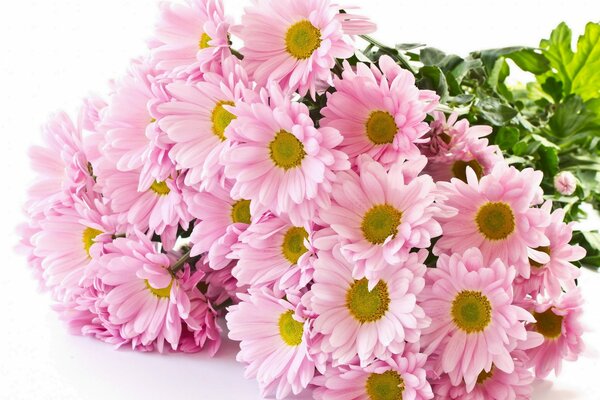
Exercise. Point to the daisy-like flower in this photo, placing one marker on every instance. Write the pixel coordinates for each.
(279, 160)
(191, 34)
(559, 322)
(219, 285)
(493, 385)
(296, 43)
(368, 319)
(559, 273)
(198, 117)
(401, 377)
(145, 299)
(90, 118)
(380, 215)
(274, 342)
(275, 253)
(495, 214)
(380, 112)
(474, 323)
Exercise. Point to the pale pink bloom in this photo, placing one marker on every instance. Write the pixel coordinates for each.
(493, 385)
(565, 183)
(559, 321)
(194, 33)
(274, 252)
(273, 342)
(381, 215)
(279, 160)
(379, 111)
(197, 120)
(495, 214)
(145, 300)
(474, 323)
(25, 232)
(296, 43)
(368, 319)
(133, 140)
(399, 377)
(559, 273)
(90, 118)
(219, 285)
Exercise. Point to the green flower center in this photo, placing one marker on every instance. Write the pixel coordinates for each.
(286, 150)
(204, 39)
(240, 212)
(160, 188)
(385, 386)
(367, 306)
(495, 220)
(89, 234)
(163, 293)
(548, 324)
(290, 330)
(302, 39)
(459, 169)
(544, 249)
(381, 127)
(471, 311)
(380, 222)
(221, 118)
(293, 244)
(485, 375)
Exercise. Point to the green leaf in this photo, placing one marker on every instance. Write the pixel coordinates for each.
(507, 137)
(571, 117)
(495, 111)
(554, 88)
(490, 56)
(520, 148)
(529, 60)
(431, 56)
(432, 78)
(548, 160)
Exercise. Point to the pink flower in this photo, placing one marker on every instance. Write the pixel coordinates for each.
(558, 320)
(90, 118)
(379, 112)
(274, 342)
(474, 324)
(279, 160)
(220, 285)
(381, 215)
(366, 318)
(192, 34)
(273, 252)
(495, 214)
(565, 183)
(296, 43)
(400, 377)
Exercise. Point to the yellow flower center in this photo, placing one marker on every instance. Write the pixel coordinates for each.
(163, 293)
(471, 311)
(221, 118)
(495, 220)
(485, 375)
(459, 169)
(544, 249)
(240, 212)
(388, 385)
(293, 244)
(89, 234)
(290, 330)
(160, 188)
(381, 127)
(204, 39)
(286, 150)
(548, 324)
(380, 222)
(302, 39)
(365, 305)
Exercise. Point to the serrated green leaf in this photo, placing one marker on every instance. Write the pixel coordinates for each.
(507, 137)
(495, 111)
(433, 78)
(571, 116)
(530, 61)
(548, 160)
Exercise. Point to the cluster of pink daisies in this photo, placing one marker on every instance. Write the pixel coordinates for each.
(372, 248)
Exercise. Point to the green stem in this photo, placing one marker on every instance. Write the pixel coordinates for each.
(180, 263)
(395, 54)
(236, 53)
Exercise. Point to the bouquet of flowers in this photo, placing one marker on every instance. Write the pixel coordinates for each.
(344, 210)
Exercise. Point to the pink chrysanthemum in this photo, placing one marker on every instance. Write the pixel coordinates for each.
(197, 120)
(368, 319)
(296, 43)
(145, 300)
(379, 112)
(273, 252)
(495, 214)
(192, 34)
(565, 183)
(493, 385)
(279, 160)
(274, 342)
(90, 119)
(559, 322)
(400, 377)
(380, 215)
(220, 285)
(474, 324)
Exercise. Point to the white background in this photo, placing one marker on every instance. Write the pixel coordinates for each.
(55, 52)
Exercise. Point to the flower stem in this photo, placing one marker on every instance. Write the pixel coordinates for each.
(236, 53)
(180, 263)
(395, 54)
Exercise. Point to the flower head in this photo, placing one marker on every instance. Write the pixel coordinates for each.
(565, 183)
